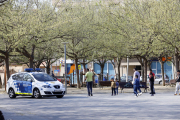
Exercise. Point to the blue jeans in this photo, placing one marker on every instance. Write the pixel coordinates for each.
(113, 91)
(139, 89)
(135, 89)
(89, 87)
(116, 90)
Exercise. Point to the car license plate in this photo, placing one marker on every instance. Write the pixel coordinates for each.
(57, 90)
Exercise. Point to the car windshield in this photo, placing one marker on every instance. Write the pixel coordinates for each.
(43, 77)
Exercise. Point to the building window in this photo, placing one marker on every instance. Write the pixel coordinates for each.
(158, 68)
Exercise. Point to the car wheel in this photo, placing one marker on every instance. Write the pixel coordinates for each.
(60, 96)
(159, 82)
(12, 93)
(36, 93)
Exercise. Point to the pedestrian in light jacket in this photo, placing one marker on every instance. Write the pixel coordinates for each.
(177, 82)
(113, 86)
(136, 85)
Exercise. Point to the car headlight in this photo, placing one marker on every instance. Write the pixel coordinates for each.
(46, 86)
(62, 86)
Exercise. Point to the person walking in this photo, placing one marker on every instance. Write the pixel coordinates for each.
(151, 80)
(89, 82)
(113, 86)
(136, 84)
(117, 85)
(177, 83)
(134, 77)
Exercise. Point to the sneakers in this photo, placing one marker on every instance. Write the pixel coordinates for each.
(140, 93)
(91, 94)
(136, 96)
(175, 94)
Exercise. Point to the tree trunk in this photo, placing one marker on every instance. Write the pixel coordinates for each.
(7, 66)
(119, 64)
(114, 65)
(142, 74)
(102, 70)
(141, 61)
(149, 64)
(31, 62)
(77, 73)
(176, 64)
(48, 66)
(48, 69)
(84, 66)
(162, 70)
(145, 70)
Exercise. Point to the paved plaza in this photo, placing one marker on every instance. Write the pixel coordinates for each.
(99, 107)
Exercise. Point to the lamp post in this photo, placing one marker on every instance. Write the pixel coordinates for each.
(65, 70)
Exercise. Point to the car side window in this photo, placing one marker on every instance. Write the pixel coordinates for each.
(19, 77)
(27, 76)
(14, 77)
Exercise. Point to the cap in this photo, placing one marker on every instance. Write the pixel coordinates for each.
(178, 71)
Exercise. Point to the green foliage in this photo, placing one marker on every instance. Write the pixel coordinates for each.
(93, 30)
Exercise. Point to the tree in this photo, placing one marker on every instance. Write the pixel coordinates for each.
(77, 31)
(39, 26)
(8, 27)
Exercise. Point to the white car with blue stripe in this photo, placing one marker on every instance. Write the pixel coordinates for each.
(35, 84)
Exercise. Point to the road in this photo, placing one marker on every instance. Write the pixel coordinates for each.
(98, 107)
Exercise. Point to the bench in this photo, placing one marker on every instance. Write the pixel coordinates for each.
(129, 85)
(171, 82)
(104, 83)
(84, 84)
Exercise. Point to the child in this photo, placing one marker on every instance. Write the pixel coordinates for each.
(113, 85)
(136, 85)
(117, 85)
(151, 80)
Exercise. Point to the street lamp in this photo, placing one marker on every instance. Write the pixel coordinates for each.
(65, 66)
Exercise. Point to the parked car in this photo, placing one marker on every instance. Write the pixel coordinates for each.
(147, 78)
(158, 79)
(123, 78)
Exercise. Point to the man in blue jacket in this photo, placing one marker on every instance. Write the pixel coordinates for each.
(136, 85)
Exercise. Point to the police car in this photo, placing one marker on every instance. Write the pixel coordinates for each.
(35, 84)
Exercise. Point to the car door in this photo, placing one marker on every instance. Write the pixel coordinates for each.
(27, 84)
(19, 83)
(15, 83)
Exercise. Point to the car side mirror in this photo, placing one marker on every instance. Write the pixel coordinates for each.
(29, 80)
